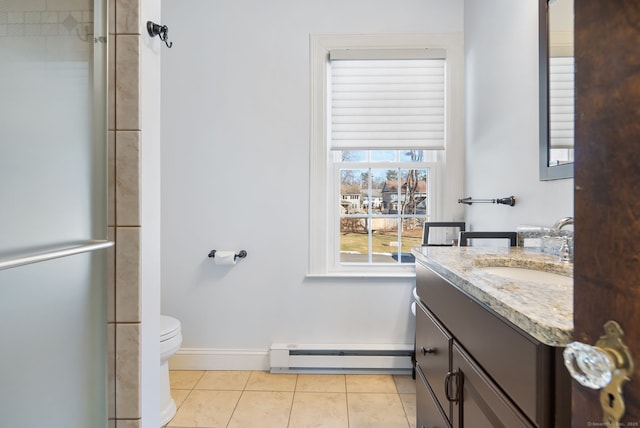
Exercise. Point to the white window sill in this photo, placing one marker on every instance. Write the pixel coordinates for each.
(403, 274)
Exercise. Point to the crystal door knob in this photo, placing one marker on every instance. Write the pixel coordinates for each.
(605, 366)
(589, 365)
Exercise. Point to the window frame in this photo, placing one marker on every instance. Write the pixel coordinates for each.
(449, 179)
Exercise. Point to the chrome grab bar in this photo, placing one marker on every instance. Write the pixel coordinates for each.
(41, 257)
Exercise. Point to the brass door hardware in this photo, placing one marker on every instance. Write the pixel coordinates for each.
(604, 366)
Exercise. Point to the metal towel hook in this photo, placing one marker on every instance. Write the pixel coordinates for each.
(160, 31)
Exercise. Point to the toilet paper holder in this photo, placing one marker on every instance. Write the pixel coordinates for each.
(241, 254)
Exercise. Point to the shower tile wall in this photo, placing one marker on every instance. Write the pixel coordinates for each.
(124, 212)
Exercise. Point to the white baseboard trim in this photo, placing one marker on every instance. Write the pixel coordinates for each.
(219, 359)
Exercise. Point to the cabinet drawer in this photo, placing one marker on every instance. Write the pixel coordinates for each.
(429, 414)
(433, 346)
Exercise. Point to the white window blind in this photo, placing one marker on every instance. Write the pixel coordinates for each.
(392, 103)
(561, 102)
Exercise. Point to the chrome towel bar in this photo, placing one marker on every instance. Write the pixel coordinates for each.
(511, 201)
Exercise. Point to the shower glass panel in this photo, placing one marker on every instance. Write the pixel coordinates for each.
(52, 324)
(53, 193)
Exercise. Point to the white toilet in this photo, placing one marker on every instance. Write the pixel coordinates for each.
(170, 341)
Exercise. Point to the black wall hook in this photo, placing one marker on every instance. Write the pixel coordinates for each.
(161, 31)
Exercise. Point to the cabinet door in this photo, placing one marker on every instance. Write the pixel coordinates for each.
(433, 347)
(429, 414)
(480, 404)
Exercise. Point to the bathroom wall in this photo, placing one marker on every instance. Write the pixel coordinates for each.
(501, 59)
(235, 166)
(151, 50)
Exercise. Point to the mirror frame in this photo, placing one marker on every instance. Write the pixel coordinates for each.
(547, 172)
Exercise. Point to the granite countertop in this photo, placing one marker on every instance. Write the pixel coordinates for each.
(544, 311)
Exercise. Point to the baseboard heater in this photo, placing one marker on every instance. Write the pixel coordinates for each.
(288, 358)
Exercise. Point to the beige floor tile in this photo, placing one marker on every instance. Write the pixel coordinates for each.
(371, 383)
(224, 380)
(321, 383)
(211, 409)
(262, 409)
(409, 404)
(405, 384)
(184, 379)
(241, 399)
(265, 381)
(376, 410)
(319, 410)
(179, 395)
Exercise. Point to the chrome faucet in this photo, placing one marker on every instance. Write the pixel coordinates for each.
(565, 249)
(564, 221)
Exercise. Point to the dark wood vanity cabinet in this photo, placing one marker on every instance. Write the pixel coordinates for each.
(476, 370)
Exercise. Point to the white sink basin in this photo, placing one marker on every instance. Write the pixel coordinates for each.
(529, 275)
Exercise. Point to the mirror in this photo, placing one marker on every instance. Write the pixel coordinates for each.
(557, 93)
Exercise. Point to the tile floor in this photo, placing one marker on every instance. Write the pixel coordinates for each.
(248, 399)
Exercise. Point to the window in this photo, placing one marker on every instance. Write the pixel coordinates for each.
(385, 196)
(383, 148)
(561, 109)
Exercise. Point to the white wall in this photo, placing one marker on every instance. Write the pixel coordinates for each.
(235, 164)
(501, 59)
(150, 52)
